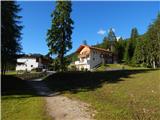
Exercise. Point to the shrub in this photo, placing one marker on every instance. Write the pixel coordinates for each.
(82, 69)
(72, 67)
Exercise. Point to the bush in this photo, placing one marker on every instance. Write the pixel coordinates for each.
(82, 69)
(34, 70)
(72, 68)
(86, 69)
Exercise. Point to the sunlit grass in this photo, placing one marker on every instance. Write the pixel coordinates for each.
(11, 73)
(135, 97)
(23, 107)
(118, 66)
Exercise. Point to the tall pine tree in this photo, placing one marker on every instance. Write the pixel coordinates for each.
(131, 44)
(11, 33)
(140, 53)
(134, 33)
(85, 42)
(59, 35)
(113, 45)
(121, 44)
(106, 43)
(112, 40)
(153, 43)
(147, 49)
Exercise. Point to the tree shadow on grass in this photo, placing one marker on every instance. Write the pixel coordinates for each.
(12, 85)
(69, 81)
(86, 81)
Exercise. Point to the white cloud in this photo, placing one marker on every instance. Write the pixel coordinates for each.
(101, 32)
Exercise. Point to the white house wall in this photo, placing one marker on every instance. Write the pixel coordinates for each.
(95, 58)
(90, 62)
(29, 64)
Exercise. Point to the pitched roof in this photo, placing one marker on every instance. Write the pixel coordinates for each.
(94, 48)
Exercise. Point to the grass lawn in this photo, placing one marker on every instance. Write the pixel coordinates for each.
(118, 66)
(23, 107)
(11, 73)
(19, 102)
(115, 95)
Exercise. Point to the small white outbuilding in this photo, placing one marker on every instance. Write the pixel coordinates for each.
(30, 62)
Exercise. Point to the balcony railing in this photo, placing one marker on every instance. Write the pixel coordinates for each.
(82, 62)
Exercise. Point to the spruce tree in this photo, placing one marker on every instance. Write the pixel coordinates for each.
(85, 42)
(126, 54)
(140, 53)
(59, 35)
(131, 44)
(147, 49)
(153, 43)
(113, 45)
(106, 43)
(134, 33)
(11, 33)
(133, 41)
(112, 40)
(121, 44)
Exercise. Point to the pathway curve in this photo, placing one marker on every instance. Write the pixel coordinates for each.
(61, 107)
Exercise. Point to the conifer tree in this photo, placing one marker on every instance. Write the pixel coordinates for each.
(147, 49)
(85, 42)
(11, 33)
(59, 35)
(153, 43)
(131, 44)
(106, 43)
(121, 44)
(140, 53)
(113, 45)
(112, 40)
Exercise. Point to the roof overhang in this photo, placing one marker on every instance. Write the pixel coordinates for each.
(80, 48)
(93, 48)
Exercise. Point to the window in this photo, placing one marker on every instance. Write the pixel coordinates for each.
(93, 58)
(37, 60)
(31, 65)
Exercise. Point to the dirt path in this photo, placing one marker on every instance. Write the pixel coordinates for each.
(63, 108)
(60, 107)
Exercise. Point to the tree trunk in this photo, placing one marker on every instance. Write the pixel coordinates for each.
(154, 64)
(3, 68)
(62, 52)
(62, 62)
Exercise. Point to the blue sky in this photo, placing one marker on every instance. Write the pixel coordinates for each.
(91, 21)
